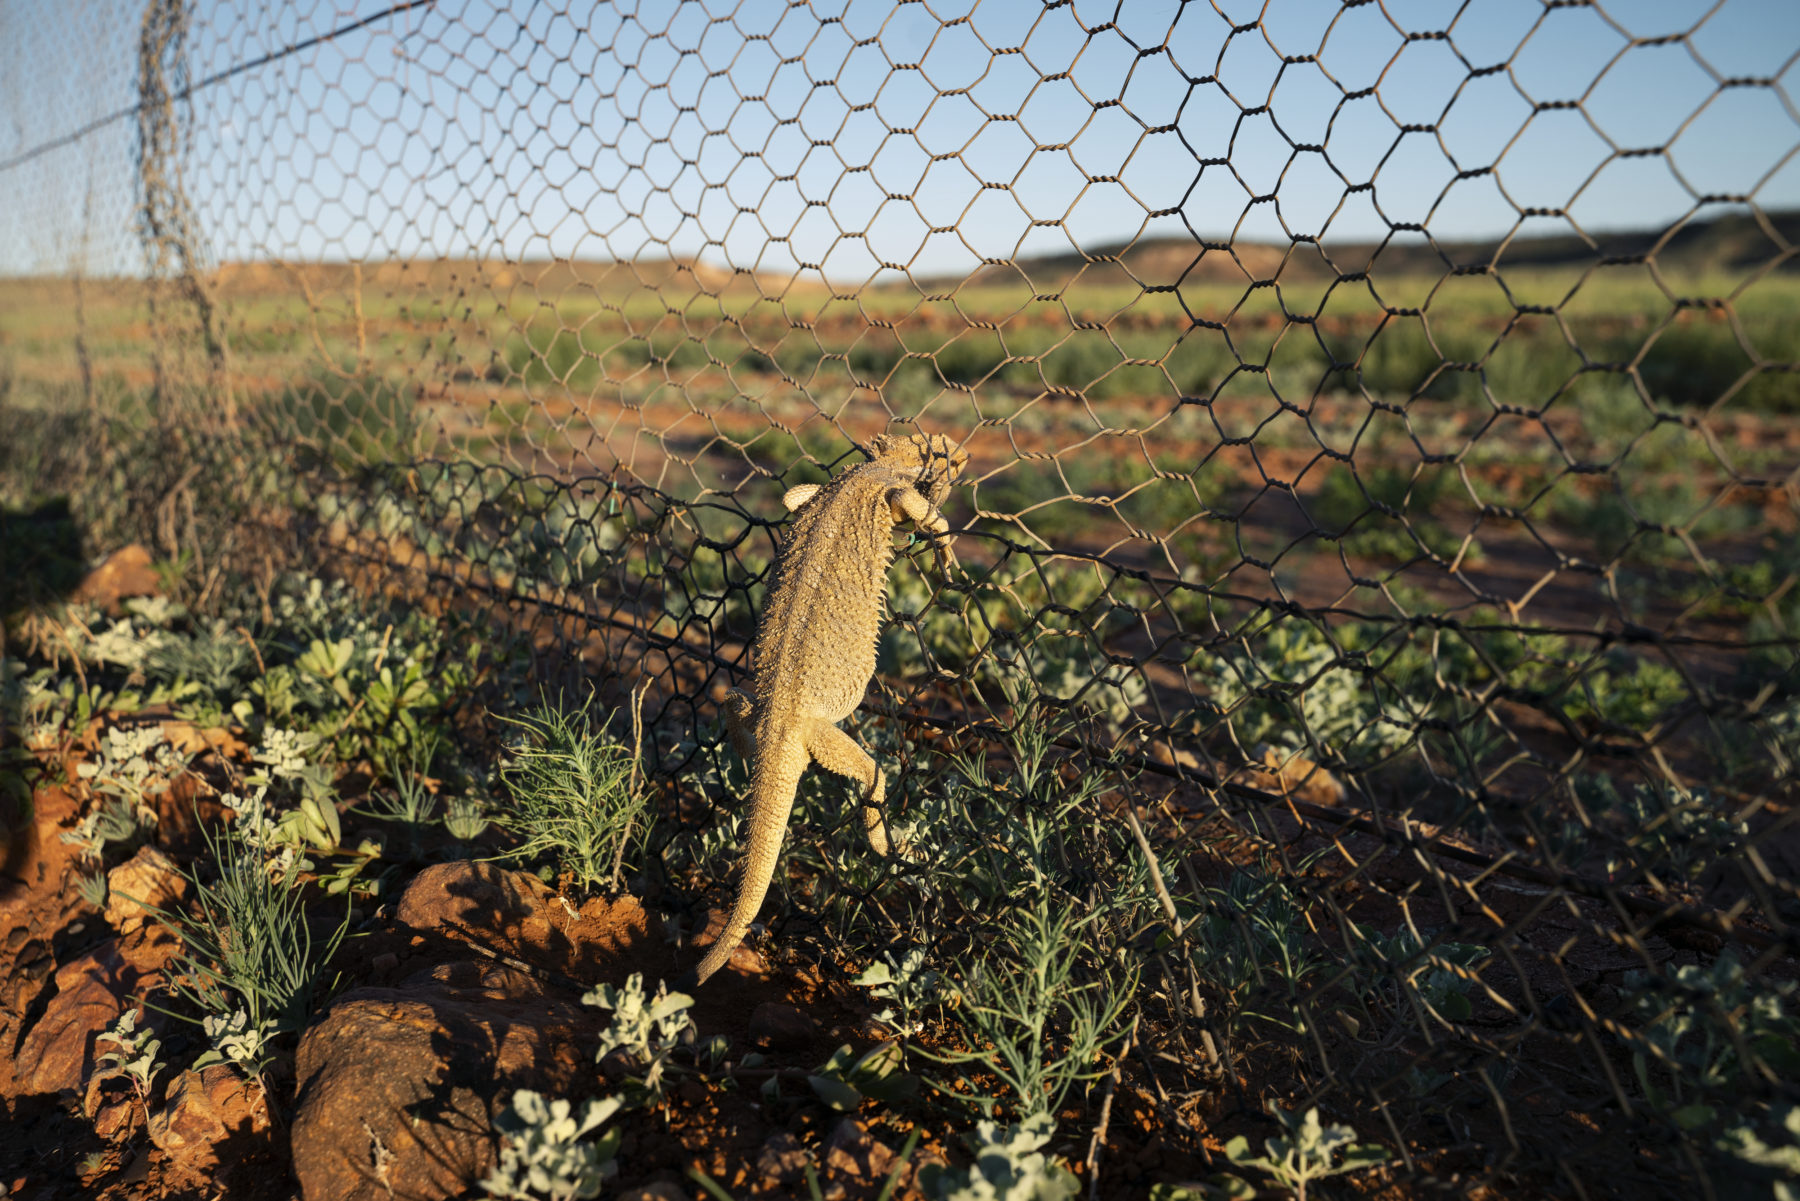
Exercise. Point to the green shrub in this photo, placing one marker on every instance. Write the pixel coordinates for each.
(1010, 1165)
(1706, 1032)
(644, 1029)
(1030, 1021)
(575, 795)
(350, 421)
(1251, 945)
(1628, 692)
(1291, 687)
(1347, 504)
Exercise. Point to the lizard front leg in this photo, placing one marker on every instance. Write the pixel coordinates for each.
(909, 504)
(837, 753)
(798, 495)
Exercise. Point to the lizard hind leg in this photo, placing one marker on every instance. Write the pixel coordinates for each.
(739, 711)
(838, 753)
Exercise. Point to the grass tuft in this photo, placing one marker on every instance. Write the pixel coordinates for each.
(575, 795)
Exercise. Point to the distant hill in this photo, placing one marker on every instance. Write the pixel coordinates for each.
(1735, 242)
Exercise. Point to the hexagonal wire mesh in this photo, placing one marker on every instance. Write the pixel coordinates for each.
(1380, 420)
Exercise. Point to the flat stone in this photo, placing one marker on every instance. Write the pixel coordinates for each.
(201, 1112)
(91, 993)
(402, 1084)
(126, 573)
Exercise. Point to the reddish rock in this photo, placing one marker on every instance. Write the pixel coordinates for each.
(1173, 756)
(38, 900)
(115, 1118)
(743, 961)
(106, 1089)
(191, 739)
(147, 878)
(126, 573)
(151, 949)
(781, 1027)
(855, 1163)
(481, 902)
(451, 905)
(463, 896)
(39, 862)
(57, 1053)
(783, 1159)
(398, 1086)
(1292, 774)
(200, 1113)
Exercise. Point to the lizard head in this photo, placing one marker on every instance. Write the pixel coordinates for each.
(933, 460)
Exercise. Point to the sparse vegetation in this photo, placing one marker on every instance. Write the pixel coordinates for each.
(249, 947)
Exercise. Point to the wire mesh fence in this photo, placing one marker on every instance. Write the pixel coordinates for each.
(1381, 433)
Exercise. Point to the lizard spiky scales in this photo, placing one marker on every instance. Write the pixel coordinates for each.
(815, 647)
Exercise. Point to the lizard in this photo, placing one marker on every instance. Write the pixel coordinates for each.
(814, 651)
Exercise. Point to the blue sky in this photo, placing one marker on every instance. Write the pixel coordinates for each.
(764, 135)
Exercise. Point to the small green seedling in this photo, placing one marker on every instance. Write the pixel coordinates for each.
(92, 889)
(135, 1056)
(235, 1040)
(465, 817)
(645, 1029)
(1307, 1152)
(844, 1080)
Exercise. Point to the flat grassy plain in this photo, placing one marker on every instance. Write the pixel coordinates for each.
(1600, 410)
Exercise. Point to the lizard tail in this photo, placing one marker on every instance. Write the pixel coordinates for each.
(772, 786)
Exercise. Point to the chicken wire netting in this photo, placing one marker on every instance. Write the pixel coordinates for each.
(1380, 419)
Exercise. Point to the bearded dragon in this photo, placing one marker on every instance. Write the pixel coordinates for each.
(815, 647)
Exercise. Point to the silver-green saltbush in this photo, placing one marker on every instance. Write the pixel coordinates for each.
(1009, 1166)
(543, 1156)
